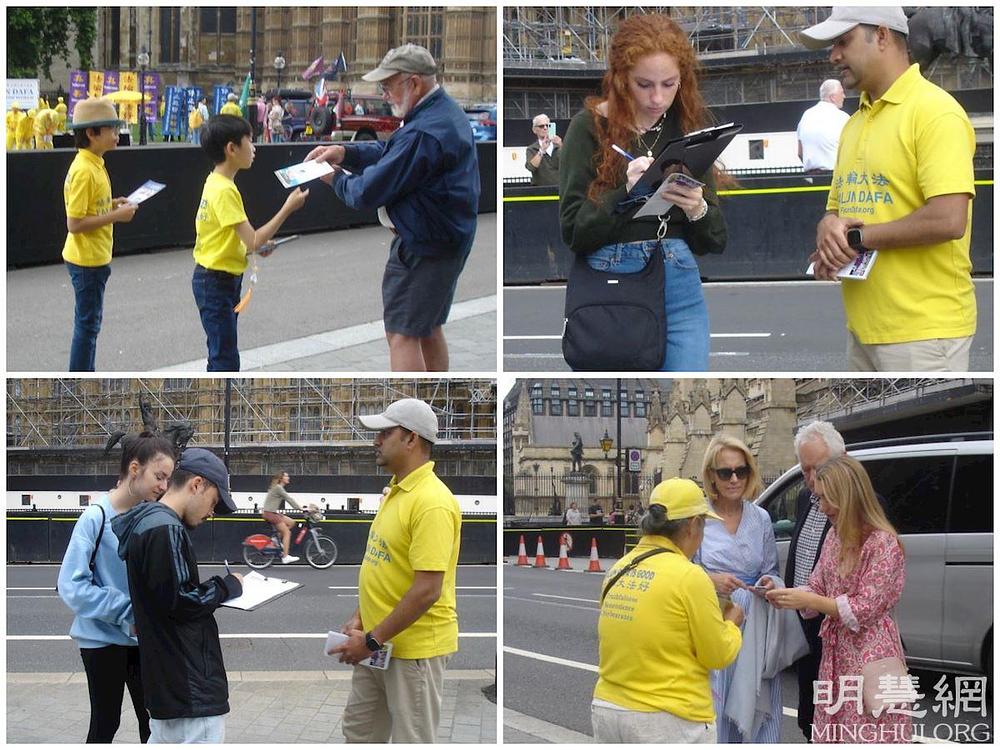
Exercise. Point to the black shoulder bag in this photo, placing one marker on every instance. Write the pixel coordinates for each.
(615, 321)
(630, 566)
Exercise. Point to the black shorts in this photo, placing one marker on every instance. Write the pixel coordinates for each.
(417, 291)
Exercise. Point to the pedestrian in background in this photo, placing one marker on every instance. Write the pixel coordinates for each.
(661, 629)
(819, 128)
(541, 158)
(93, 582)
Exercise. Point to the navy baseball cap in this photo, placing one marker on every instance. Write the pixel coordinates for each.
(205, 464)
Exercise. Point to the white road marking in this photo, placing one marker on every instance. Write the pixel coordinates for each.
(331, 341)
(550, 659)
(557, 337)
(550, 604)
(570, 598)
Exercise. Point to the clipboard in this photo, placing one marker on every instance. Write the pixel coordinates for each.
(696, 151)
(258, 590)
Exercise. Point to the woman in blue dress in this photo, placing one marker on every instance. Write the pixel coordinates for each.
(737, 553)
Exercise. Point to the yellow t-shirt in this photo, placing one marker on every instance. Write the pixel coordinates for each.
(912, 144)
(660, 631)
(231, 108)
(217, 246)
(87, 192)
(418, 527)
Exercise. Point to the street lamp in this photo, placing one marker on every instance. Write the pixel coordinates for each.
(279, 65)
(606, 443)
(143, 59)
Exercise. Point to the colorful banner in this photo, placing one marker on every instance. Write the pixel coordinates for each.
(173, 123)
(96, 87)
(219, 94)
(24, 91)
(110, 82)
(77, 89)
(151, 85)
(128, 81)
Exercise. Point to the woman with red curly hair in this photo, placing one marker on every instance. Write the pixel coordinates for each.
(648, 97)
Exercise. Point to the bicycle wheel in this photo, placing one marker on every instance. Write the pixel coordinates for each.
(257, 559)
(321, 555)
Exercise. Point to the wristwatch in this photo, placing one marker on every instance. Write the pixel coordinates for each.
(856, 239)
(371, 644)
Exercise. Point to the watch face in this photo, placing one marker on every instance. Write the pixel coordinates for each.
(854, 237)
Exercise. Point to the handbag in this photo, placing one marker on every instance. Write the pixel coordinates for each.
(615, 321)
(890, 666)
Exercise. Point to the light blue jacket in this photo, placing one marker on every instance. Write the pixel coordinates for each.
(100, 600)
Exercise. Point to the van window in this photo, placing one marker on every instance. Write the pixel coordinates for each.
(915, 490)
(972, 496)
(782, 506)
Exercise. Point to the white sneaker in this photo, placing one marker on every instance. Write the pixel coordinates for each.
(289, 559)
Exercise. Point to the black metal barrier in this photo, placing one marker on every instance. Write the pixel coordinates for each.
(36, 537)
(771, 220)
(610, 540)
(36, 214)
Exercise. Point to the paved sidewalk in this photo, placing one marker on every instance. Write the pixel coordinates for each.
(519, 728)
(271, 707)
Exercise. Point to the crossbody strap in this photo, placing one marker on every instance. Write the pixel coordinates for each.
(97, 544)
(630, 566)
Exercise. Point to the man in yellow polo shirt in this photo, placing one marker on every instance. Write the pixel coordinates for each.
(903, 186)
(661, 629)
(406, 587)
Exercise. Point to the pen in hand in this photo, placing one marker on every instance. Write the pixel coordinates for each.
(228, 571)
(623, 152)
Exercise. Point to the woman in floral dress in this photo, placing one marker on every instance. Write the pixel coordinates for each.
(856, 584)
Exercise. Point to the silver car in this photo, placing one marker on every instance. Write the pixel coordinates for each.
(939, 495)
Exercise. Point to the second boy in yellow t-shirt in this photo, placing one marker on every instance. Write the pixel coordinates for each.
(225, 237)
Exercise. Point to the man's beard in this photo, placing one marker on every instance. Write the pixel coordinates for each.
(402, 109)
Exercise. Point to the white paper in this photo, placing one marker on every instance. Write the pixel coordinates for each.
(378, 660)
(658, 205)
(858, 269)
(299, 174)
(145, 191)
(258, 589)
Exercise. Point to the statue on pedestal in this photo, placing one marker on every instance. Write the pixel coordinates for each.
(576, 452)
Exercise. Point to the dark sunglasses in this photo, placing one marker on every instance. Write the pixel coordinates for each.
(741, 472)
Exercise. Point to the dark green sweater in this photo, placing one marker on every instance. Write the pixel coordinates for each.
(587, 227)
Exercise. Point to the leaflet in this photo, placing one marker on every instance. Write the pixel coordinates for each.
(299, 174)
(858, 269)
(145, 191)
(378, 660)
(657, 205)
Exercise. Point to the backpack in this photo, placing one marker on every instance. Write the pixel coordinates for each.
(195, 120)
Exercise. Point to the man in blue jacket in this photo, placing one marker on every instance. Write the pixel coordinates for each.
(424, 181)
(183, 675)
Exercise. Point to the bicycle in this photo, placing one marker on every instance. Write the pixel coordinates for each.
(261, 550)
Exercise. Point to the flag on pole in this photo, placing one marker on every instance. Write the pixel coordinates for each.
(337, 66)
(321, 96)
(314, 68)
(245, 96)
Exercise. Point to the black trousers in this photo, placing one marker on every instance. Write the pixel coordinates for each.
(808, 669)
(109, 670)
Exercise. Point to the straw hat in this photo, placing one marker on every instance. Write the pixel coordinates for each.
(94, 113)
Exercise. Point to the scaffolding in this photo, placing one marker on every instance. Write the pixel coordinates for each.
(82, 413)
(843, 398)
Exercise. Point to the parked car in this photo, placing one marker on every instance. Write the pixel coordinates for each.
(483, 119)
(939, 495)
(309, 122)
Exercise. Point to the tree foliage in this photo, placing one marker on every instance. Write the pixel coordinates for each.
(37, 36)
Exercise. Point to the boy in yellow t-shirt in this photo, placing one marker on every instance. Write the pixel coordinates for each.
(90, 212)
(225, 237)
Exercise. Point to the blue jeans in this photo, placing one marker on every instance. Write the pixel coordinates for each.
(217, 293)
(688, 339)
(88, 288)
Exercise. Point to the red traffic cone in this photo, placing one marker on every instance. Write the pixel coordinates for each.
(595, 563)
(540, 555)
(522, 554)
(563, 553)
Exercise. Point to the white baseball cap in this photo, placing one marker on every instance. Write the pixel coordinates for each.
(409, 413)
(846, 17)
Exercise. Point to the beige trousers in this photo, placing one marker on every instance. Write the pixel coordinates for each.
(401, 703)
(931, 355)
(612, 726)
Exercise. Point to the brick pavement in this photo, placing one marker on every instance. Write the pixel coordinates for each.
(272, 707)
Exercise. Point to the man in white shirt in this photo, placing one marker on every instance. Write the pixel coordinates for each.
(542, 157)
(819, 129)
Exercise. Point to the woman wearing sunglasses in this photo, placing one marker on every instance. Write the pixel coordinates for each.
(738, 553)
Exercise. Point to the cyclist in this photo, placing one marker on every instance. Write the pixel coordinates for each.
(273, 504)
